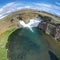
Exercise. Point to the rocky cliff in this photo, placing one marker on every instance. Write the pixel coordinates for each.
(50, 23)
(50, 27)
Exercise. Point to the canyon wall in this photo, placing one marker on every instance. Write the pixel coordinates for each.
(51, 28)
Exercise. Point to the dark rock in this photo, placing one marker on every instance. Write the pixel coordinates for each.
(58, 39)
(43, 26)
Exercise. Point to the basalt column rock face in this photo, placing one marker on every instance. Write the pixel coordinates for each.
(43, 26)
(50, 27)
(54, 30)
(57, 36)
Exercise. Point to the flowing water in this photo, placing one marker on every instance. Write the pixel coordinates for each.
(23, 44)
(32, 23)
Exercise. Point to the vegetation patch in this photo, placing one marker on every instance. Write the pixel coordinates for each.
(3, 40)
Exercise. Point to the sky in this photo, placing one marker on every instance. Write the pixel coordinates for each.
(9, 6)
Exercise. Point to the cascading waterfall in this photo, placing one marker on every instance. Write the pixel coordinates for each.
(32, 23)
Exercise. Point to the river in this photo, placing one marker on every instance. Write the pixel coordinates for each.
(27, 43)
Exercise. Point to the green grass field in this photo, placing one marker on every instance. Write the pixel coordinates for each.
(3, 40)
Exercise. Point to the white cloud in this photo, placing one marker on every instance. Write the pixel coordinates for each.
(3, 16)
(8, 8)
(48, 6)
(13, 6)
(54, 9)
(18, 8)
(27, 6)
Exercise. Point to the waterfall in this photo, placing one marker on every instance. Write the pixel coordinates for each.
(32, 23)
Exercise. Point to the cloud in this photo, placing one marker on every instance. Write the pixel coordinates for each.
(8, 8)
(18, 8)
(13, 6)
(48, 6)
(27, 6)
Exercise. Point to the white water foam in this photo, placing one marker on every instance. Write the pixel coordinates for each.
(32, 23)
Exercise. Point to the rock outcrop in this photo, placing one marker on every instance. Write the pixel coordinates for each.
(50, 27)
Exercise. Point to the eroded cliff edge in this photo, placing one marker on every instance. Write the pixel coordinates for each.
(50, 24)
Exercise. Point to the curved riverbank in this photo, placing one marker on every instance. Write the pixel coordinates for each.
(53, 44)
(24, 44)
